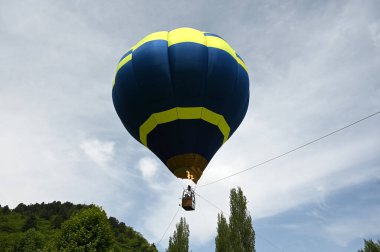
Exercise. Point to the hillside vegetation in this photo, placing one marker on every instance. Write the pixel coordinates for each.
(65, 226)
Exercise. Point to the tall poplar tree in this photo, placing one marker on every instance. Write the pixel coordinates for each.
(222, 239)
(242, 235)
(238, 235)
(179, 242)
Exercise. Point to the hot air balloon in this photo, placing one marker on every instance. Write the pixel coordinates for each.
(182, 94)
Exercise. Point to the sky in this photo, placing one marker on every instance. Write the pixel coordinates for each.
(313, 67)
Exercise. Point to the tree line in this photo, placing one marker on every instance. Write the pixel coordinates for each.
(65, 226)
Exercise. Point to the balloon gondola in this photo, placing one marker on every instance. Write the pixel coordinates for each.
(182, 94)
(188, 199)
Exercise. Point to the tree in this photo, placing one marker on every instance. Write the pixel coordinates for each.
(370, 246)
(222, 239)
(126, 239)
(88, 230)
(56, 221)
(21, 208)
(179, 242)
(31, 222)
(238, 235)
(37, 227)
(31, 241)
(242, 234)
(5, 209)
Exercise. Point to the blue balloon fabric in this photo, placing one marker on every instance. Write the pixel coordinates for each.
(182, 94)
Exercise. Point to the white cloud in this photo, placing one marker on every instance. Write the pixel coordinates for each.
(148, 168)
(375, 33)
(99, 152)
(344, 230)
(303, 177)
(314, 68)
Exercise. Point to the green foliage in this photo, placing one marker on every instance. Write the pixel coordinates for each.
(238, 235)
(30, 241)
(38, 228)
(126, 239)
(370, 246)
(179, 242)
(89, 230)
(241, 229)
(5, 209)
(56, 221)
(31, 222)
(222, 239)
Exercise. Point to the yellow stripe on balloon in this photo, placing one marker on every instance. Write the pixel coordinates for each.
(147, 127)
(216, 42)
(123, 62)
(183, 113)
(184, 35)
(189, 113)
(161, 35)
(169, 116)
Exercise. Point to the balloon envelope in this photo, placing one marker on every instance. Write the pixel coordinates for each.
(182, 94)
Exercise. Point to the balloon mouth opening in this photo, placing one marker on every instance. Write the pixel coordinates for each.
(187, 166)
